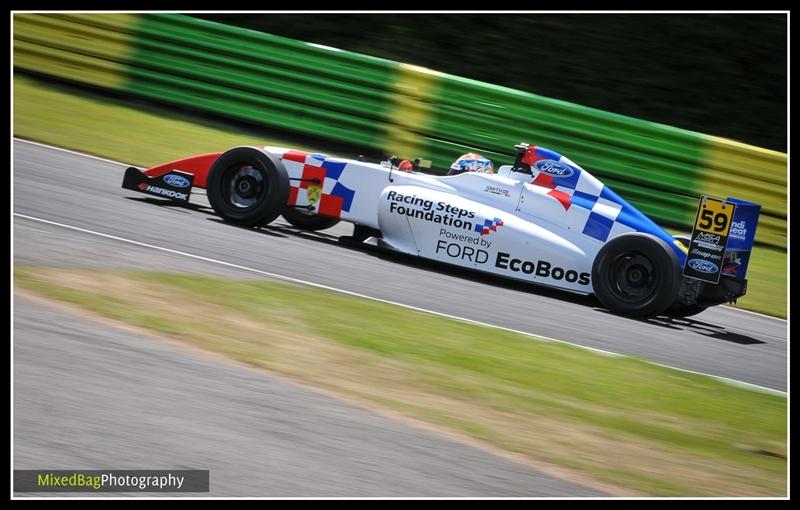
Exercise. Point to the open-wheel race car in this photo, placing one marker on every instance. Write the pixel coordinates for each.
(542, 219)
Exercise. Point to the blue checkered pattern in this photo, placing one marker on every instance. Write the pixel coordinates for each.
(332, 186)
(488, 226)
(588, 204)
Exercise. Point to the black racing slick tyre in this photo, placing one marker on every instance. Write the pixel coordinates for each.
(308, 221)
(636, 275)
(248, 187)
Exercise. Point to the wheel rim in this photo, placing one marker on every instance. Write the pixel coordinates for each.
(244, 185)
(633, 277)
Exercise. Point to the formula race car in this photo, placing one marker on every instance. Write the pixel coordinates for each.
(542, 219)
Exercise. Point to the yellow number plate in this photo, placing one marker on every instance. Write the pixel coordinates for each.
(714, 216)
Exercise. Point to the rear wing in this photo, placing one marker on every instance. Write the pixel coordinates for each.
(722, 239)
(741, 237)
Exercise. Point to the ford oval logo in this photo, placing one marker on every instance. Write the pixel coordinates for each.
(176, 180)
(703, 266)
(553, 168)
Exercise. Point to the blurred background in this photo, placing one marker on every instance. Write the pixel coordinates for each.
(723, 74)
(672, 106)
(650, 104)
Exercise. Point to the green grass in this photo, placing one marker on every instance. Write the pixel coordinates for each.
(633, 426)
(767, 276)
(131, 132)
(147, 136)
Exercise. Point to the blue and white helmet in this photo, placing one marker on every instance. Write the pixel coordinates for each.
(471, 163)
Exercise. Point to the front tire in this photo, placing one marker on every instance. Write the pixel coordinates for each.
(636, 275)
(248, 187)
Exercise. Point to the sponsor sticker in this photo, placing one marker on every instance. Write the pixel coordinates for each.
(732, 266)
(427, 210)
(554, 168)
(539, 269)
(712, 226)
(172, 185)
(313, 193)
(462, 253)
(738, 230)
(703, 266)
(176, 181)
(488, 226)
(496, 190)
(465, 238)
(149, 188)
(441, 213)
(709, 241)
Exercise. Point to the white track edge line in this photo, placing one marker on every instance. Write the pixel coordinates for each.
(77, 153)
(751, 312)
(364, 296)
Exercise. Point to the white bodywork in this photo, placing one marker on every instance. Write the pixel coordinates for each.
(501, 223)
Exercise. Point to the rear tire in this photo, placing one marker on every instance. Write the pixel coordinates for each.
(248, 187)
(636, 275)
(308, 221)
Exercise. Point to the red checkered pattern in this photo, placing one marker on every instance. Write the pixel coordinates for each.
(330, 205)
(313, 175)
(546, 181)
(493, 228)
(310, 174)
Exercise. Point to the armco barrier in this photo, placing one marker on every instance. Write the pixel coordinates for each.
(398, 108)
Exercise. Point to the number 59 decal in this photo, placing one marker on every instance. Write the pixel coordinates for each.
(706, 252)
(714, 216)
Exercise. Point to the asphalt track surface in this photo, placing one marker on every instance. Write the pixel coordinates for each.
(88, 395)
(102, 397)
(83, 192)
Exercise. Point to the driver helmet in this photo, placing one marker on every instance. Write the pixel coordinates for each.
(405, 166)
(471, 163)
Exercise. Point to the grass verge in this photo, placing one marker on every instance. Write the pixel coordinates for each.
(131, 132)
(618, 420)
(115, 129)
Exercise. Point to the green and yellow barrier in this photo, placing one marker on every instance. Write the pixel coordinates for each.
(396, 108)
